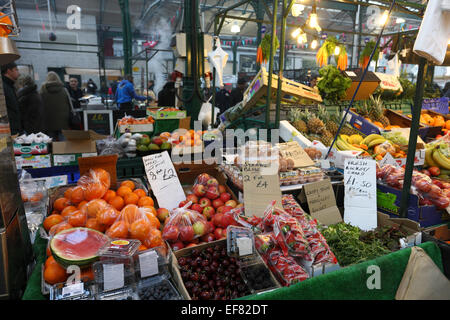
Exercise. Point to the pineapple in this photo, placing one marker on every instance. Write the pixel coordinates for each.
(377, 111)
(295, 117)
(314, 124)
(363, 110)
(330, 124)
(326, 137)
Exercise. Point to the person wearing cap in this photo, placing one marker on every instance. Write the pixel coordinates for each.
(10, 74)
(237, 94)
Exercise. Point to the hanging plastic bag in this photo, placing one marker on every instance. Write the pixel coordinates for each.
(95, 184)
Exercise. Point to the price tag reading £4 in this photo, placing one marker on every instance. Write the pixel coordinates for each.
(164, 180)
(261, 186)
(360, 199)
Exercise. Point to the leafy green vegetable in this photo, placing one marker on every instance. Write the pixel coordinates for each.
(266, 42)
(344, 240)
(332, 85)
(395, 137)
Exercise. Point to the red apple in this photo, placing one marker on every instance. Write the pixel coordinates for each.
(210, 226)
(435, 192)
(205, 202)
(217, 203)
(177, 246)
(186, 233)
(192, 197)
(227, 220)
(446, 193)
(197, 207)
(183, 203)
(170, 233)
(203, 178)
(224, 209)
(199, 228)
(217, 219)
(225, 196)
(231, 203)
(425, 171)
(222, 189)
(212, 182)
(218, 233)
(441, 203)
(208, 212)
(212, 193)
(162, 214)
(438, 183)
(209, 237)
(199, 190)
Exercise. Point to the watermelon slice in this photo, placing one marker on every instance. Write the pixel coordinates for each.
(77, 246)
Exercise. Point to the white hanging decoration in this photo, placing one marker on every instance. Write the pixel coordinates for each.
(218, 60)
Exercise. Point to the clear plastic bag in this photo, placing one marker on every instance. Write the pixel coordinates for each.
(287, 270)
(184, 225)
(137, 223)
(95, 184)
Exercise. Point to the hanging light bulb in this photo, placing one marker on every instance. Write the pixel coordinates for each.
(297, 9)
(302, 38)
(296, 32)
(314, 44)
(313, 19)
(337, 50)
(384, 18)
(235, 28)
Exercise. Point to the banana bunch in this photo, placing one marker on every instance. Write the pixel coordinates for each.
(355, 139)
(322, 56)
(342, 144)
(373, 140)
(436, 155)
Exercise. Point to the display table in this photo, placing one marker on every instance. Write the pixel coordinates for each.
(350, 283)
(345, 283)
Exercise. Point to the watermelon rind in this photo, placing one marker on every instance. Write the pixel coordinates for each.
(63, 260)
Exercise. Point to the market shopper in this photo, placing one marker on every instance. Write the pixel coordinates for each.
(115, 84)
(237, 94)
(166, 97)
(75, 92)
(30, 105)
(91, 87)
(125, 94)
(10, 74)
(56, 106)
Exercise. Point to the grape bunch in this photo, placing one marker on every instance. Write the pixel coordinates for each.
(211, 274)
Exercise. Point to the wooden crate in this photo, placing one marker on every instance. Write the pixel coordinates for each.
(258, 89)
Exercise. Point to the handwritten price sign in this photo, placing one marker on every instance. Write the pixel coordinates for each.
(164, 180)
(294, 151)
(360, 199)
(261, 186)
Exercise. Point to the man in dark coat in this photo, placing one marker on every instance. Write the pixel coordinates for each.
(237, 94)
(30, 105)
(166, 97)
(10, 74)
(91, 87)
(75, 92)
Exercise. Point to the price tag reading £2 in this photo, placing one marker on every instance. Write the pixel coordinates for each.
(164, 180)
(360, 199)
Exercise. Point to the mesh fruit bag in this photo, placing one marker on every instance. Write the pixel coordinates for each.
(184, 225)
(137, 223)
(206, 186)
(94, 185)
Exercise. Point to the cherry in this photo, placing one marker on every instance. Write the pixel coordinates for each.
(203, 278)
(205, 295)
(205, 263)
(194, 277)
(182, 261)
(195, 253)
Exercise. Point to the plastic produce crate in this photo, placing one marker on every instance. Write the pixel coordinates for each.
(130, 168)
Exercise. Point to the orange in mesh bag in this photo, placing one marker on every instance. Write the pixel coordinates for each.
(95, 184)
(137, 223)
(103, 213)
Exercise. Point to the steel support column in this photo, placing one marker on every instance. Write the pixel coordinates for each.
(127, 35)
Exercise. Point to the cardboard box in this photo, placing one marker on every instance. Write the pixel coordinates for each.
(388, 201)
(411, 228)
(78, 144)
(161, 114)
(33, 148)
(33, 161)
(133, 128)
(368, 86)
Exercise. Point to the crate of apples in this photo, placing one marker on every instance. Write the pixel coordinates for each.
(214, 202)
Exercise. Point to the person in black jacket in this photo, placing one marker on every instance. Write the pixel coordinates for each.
(166, 97)
(10, 74)
(91, 87)
(30, 105)
(237, 94)
(75, 92)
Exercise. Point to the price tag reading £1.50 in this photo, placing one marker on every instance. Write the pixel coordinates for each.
(164, 180)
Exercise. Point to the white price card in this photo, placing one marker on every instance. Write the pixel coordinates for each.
(164, 180)
(113, 276)
(360, 187)
(245, 246)
(73, 290)
(148, 262)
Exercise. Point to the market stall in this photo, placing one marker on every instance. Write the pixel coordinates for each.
(144, 205)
